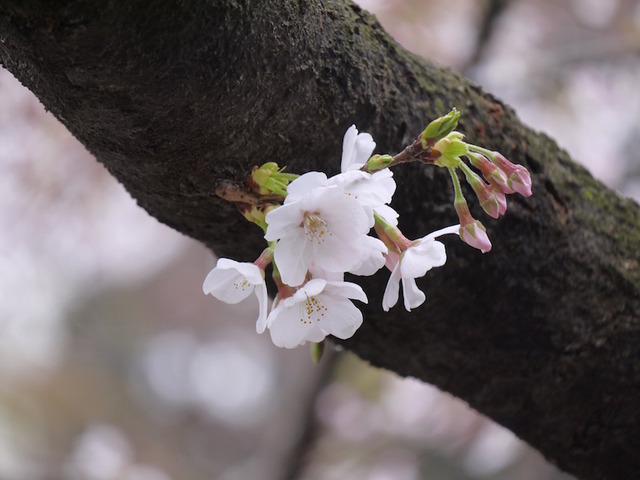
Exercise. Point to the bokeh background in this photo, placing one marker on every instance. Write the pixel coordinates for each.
(114, 365)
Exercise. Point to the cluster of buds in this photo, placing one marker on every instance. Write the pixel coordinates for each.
(446, 148)
(318, 228)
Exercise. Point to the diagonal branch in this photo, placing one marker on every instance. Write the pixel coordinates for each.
(175, 98)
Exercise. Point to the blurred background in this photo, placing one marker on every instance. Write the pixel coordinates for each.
(114, 365)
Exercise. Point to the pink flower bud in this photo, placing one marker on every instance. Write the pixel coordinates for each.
(518, 177)
(491, 172)
(472, 232)
(475, 235)
(500, 197)
(520, 181)
(487, 195)
(499, 179)
(489, 202)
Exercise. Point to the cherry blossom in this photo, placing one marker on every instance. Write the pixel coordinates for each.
(232, 282)
(421, 256)
(317, 309)
(317, 223)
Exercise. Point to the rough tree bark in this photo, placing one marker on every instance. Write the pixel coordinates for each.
(542, 334)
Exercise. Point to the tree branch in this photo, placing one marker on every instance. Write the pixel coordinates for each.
(174, 98)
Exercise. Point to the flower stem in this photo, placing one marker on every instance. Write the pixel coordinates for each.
(456, 184)
(490, 154)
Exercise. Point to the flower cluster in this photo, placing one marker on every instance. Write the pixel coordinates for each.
(318, 228)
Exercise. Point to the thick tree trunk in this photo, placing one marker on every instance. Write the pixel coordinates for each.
(542, 334)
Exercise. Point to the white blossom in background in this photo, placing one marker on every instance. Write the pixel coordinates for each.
(317, 309)
(420, 257)
(232, 282)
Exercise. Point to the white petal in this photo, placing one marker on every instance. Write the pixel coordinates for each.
(391, 293)
(282, 221)
(285, 326)
(364, 148)
(315, 335)
(310, 289)
(302, 185)
(291, 258)
(345, 290)
(343, 318)
(345, 217)
(250, 271)
(319, 272)
(227, 285)
(422, 257)
(263, 300)
(372, 258)
(348, 148)
(388, 213)
(444, 231)
(337, 255)
(413, 296)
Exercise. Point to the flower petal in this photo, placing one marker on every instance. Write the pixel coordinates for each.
(348, 148)
(412, 295)
(287, 327)
(227, 285)
(363, 149)
(263, 300)
(346, 290)
(372, 258)
(282, 221)
(343, 318)
(391, 293)
(290, 256)
(421, 257)
(388, 213)
(302, 185)
(345, 217)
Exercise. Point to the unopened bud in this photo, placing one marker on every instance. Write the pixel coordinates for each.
(378, 162)
(439, 128)
(486, 195)
(475, 235)
(472, 232)
(501, 198)
(518, 177)
(491, 172)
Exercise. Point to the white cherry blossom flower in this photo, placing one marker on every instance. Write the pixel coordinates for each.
(420, 257)
(319, 308)
(232, 282)
(317, 223)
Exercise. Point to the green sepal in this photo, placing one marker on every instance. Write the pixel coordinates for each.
(272, 179)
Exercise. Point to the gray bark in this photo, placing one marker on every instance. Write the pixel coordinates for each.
(542, 334)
